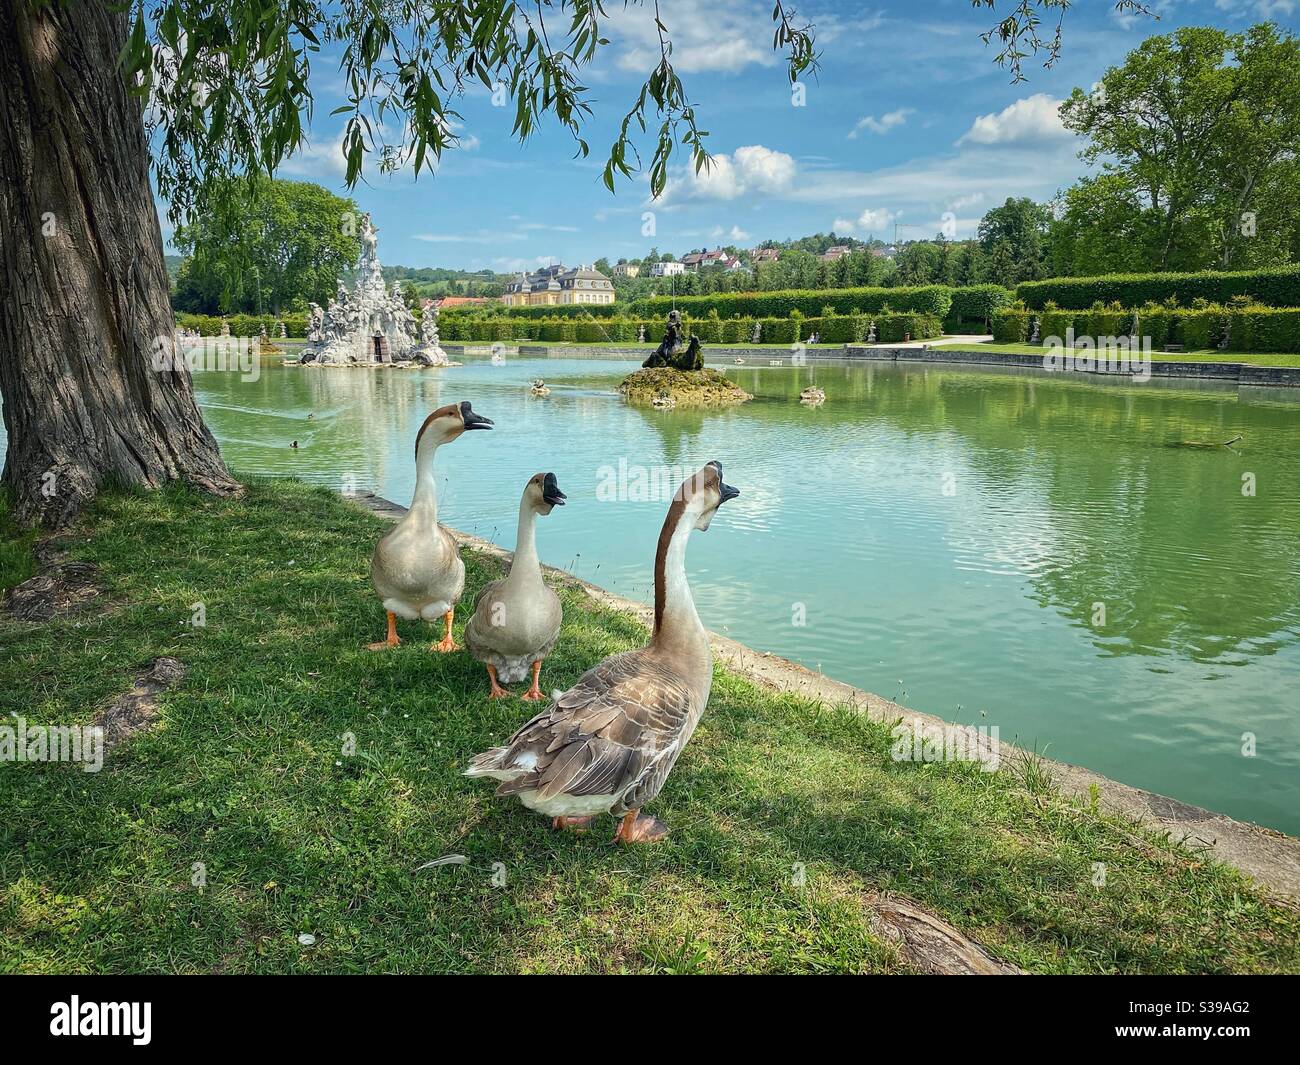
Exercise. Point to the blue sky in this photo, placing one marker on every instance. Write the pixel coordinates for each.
(908, 118)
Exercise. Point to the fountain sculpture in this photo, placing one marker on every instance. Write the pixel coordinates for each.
(368, 325)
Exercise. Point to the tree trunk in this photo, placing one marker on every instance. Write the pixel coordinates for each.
(83, 286)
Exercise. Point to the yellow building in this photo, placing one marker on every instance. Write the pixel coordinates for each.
(556, 286)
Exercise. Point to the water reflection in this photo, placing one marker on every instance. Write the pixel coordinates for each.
(949, 533)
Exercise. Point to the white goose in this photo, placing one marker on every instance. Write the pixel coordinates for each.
(608, 744)
(517, 619)
(416, 567)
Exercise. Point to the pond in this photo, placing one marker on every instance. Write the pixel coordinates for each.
(993, 547)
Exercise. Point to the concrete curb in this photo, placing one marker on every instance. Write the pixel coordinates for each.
(1272, 858)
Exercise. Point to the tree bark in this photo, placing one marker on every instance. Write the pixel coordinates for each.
(83, 287)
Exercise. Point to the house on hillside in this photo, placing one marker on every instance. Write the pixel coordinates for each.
(626, 269)
(666, 269)
(764, 255)
(830, 255)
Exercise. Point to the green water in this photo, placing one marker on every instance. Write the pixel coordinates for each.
(943, 535)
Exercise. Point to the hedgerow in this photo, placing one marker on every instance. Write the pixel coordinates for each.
(1250, 328)
(1277, 287)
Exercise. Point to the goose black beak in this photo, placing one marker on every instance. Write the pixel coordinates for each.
(472, 420)
(551, 491)
(728, 492)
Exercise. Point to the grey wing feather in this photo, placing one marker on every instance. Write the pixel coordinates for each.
(607, 735)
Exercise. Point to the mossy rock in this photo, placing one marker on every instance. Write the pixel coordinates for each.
(695, 388)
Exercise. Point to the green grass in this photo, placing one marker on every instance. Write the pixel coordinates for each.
(1203, 355)
(244, 772)
(16, 563)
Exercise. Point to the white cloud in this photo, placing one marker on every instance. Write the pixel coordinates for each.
(724, 35)
(735, 234)
(1035, 118)
(752, 169)
(483, 236)
(1265, 9)
(319, 159)
(883, 124)
(868, 221)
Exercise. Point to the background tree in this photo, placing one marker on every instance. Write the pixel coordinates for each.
(1022, 225)
(273, 246)
(1192, 128)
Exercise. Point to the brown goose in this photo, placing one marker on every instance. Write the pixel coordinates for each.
(608, 744)
(416, 568)
(517, 619)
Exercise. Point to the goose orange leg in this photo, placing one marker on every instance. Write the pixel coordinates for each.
(446, 643)
(534, 693)
(638, 828)
(392, 640)
(497, 691)
(575, 824)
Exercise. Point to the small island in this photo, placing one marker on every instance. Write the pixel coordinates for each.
(675, 374)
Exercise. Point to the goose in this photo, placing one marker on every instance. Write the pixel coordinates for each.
(664, 401)
(416, 568)
(539, 388)
(517, 619)
(608, 744)
(812, 395)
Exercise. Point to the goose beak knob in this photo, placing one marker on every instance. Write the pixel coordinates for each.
(728, 492)
(472, 420)
(551, 491)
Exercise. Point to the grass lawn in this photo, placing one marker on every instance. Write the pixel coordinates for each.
(243, 771)
(1202, 355)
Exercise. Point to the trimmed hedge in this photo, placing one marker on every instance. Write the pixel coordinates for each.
(977, 303)
(834, 329)
(1277, 287)
(924, 299)
(245, 325)
(1263, 329)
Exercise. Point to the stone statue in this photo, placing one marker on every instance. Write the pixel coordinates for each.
(1033, 335)
(366, 324)
(640, 333)
(758, 332)
(871, 332)
(430, 352)
(676, 350)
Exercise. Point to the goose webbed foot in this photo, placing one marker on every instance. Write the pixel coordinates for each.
(392, 641)
(446, 644)
(637, 827)
(535, 692)
(573, 824)
(497, 691)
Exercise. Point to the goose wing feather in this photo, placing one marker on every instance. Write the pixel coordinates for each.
(620, 727)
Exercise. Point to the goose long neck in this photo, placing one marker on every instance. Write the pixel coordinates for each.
(524, 565)
(677, 625)
(425, 499)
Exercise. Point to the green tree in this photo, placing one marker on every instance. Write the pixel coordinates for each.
(1022, 225)
(1192, 128)
(274, 245)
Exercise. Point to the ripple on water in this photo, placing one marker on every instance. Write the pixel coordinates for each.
(981, 598)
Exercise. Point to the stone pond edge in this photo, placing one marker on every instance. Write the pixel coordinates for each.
(1270, 857)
